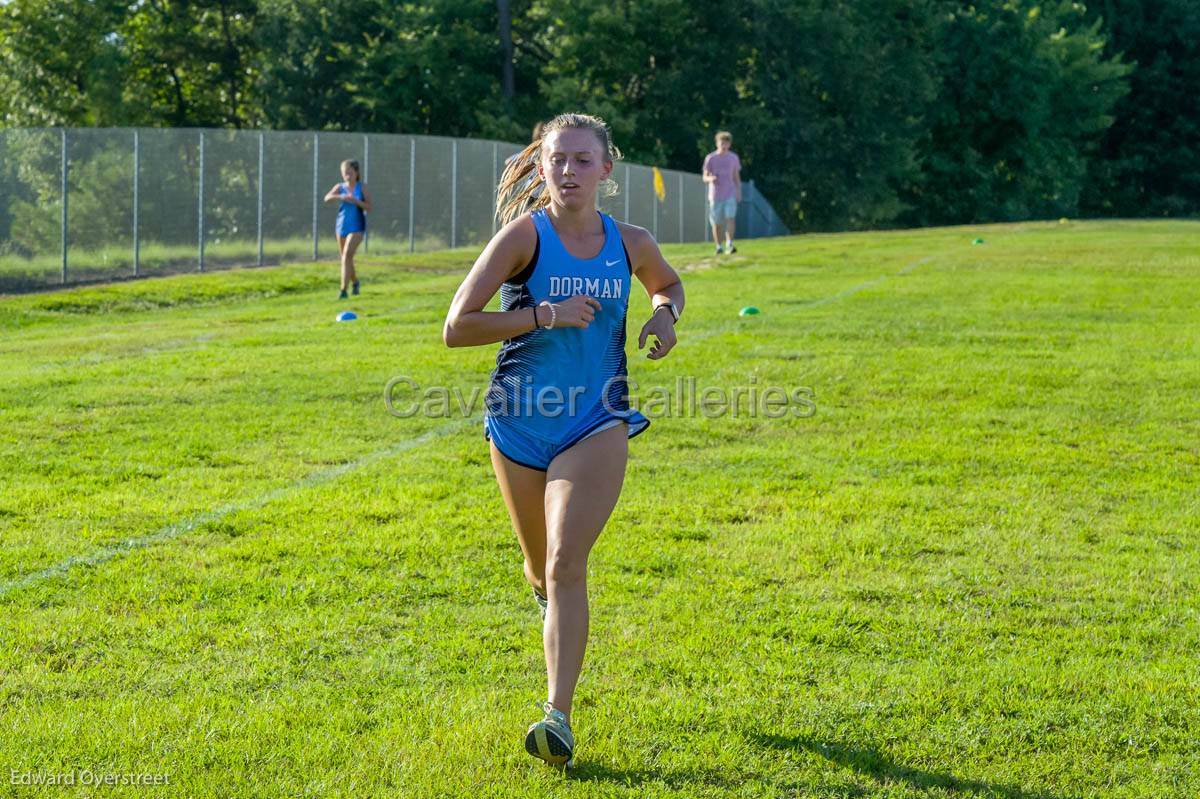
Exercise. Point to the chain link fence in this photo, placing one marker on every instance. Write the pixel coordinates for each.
(79, 205)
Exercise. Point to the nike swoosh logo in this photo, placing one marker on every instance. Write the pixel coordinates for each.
(612, 263)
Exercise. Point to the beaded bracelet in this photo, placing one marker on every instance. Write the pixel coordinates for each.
(553, 314)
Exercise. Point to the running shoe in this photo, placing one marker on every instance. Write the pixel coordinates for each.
(542, 601)
(730, 248)
(354, 286)
(550, 739)
(342, 296)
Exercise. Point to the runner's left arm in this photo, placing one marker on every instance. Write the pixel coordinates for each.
(662, 285)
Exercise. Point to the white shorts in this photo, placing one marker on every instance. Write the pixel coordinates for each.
(720, 210)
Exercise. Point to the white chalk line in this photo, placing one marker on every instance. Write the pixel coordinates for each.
(176, 529)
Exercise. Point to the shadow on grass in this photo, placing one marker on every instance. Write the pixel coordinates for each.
(873, 763)
(593, 771)
(866, 761)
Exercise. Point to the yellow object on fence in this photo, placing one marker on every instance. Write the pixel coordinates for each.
(660, 188)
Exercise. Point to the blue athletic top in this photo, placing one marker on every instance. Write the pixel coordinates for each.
(351, 218)
(539, 371)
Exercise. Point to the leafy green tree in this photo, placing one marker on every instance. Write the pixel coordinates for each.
(860, 113)
(61, 63)
(371, 65)
(107, 63)
(1025, 93)
(31, 179)
(191, 62)
(661, 72)
(833, 100)
(1148, 163)
(824, 100)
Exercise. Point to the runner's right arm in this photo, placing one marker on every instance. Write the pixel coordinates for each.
(509, 251)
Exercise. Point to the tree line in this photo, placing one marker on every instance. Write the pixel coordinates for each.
(848, 115)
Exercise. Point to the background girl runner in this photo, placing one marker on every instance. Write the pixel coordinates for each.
(351, 220)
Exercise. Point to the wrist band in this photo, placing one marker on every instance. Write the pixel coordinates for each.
(670, 306)
(553, 314)
(536, 323)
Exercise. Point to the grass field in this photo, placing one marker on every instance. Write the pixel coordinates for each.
(973, 572)
(114, 263)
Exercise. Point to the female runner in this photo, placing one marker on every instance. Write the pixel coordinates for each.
(558, 416)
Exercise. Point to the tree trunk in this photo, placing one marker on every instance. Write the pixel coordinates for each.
(507, 82)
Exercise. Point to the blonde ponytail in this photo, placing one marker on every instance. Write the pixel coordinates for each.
(521, 189)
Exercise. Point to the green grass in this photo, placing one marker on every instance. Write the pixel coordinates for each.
(972, 573)
(115, 262)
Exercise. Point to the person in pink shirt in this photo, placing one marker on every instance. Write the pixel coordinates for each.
(723, 174)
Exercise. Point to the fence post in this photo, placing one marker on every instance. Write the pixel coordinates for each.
(63, 220)
(316, 155)
(365, 178)
(495, 182)
(201, 202)
(627, 189)
(262, 157)
(706, 225)
(453, 193)
(680, 194)
(412, 191)
(137, 168)
(654, 205)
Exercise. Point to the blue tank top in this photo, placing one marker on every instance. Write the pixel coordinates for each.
(588, 363)
(351, 218)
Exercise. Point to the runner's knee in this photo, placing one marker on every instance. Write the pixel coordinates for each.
(566, 566)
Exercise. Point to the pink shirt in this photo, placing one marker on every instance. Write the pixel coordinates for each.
(723, 165)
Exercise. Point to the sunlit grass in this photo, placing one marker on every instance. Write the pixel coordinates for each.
(972, 573)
